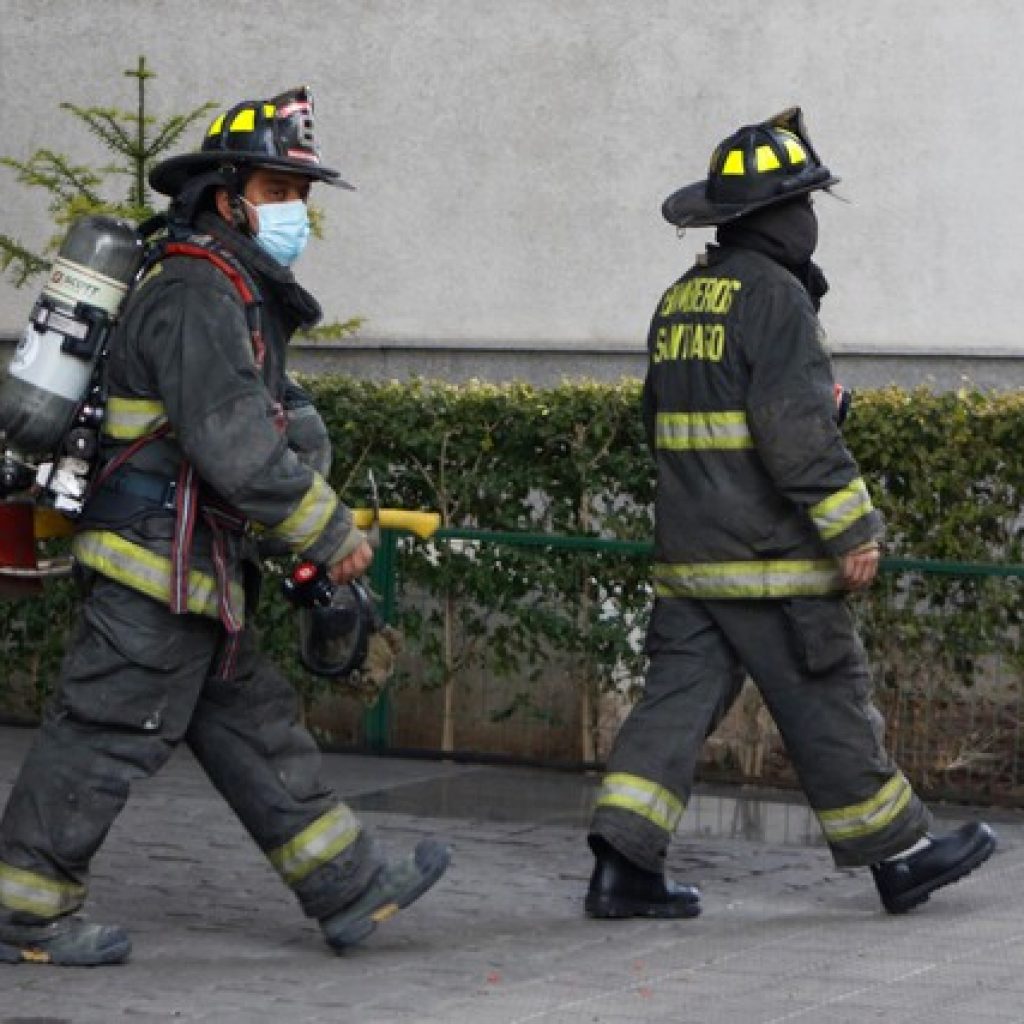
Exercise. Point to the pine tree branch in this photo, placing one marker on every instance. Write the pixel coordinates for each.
(102, 122)
(333, 330)
(19, 263)
(129, 147)
(53, 171)
(174, 127)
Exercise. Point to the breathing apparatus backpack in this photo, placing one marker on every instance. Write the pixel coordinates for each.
(50, 397)
(52, 405)
(48, 425)
(53, 396)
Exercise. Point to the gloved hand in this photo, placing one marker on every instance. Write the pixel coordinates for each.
(382, 650)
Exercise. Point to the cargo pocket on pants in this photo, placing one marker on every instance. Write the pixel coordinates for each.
(822, 630)
(132, 666)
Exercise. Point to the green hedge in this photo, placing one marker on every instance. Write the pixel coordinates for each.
(945, 469)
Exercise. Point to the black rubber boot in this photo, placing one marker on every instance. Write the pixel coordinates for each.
(66, 942)
(393, 887)
(618, 888)
(907, 882)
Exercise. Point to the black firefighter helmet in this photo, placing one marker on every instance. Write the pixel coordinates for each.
(276, 133)
(756, 166)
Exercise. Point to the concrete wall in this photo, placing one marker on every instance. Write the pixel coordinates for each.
(512, 155)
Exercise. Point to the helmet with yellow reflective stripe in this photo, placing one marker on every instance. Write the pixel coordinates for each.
(756, 166)
(276, 133)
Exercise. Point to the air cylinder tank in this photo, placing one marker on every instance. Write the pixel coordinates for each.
(50, 371)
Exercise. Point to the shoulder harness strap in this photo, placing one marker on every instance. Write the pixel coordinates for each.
(236, 274)
(186, 492)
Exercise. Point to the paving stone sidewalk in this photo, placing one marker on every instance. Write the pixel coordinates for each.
(785, 937)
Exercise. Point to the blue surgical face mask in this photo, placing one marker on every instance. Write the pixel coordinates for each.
(284, 230)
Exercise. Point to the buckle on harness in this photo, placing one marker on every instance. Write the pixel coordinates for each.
(170, 496)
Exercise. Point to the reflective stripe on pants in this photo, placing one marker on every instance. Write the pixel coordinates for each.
(136, 681)
(32, 893)
(812, 671)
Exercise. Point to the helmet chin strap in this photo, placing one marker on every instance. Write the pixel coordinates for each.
(254, 209)
(234, 183)
(239, 220)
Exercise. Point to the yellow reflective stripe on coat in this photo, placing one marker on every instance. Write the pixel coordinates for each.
(36, 894)
(692, 431)
(754, 579)
(870, 816)
(841, 510)
(126, 419)
(147, 572)
(643, 797)
(307, 522)
(316, 845)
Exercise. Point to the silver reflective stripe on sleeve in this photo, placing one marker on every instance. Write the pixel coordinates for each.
(782, 578)
(127, 419)
(643, 797)
(35, 894)
(704, 431)
(841, 510)
(302, 528)
(870, 816)
(316, 845)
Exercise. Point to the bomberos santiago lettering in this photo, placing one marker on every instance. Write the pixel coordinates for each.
(695, 339)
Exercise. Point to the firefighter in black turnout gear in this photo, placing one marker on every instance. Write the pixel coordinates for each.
(208, 450)
(763, 525)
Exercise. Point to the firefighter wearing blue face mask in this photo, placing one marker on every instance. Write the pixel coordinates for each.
(258, 161)
(283, 228)
(208, 451)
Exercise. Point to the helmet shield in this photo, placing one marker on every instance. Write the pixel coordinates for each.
(758, 165)
(277, 133)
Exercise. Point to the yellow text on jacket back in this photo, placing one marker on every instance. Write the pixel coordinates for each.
(689, 341)
(700, 295)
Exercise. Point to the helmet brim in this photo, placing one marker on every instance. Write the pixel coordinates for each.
(690, 207)
(169, 176)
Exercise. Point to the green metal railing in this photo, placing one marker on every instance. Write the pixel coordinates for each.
(944, 640)
(383, 579)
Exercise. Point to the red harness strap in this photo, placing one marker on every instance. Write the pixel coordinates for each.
(188, 485)
(221, 521)
(234, 274)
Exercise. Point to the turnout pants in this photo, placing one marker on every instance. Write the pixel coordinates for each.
(806, 659)
(135, 682)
